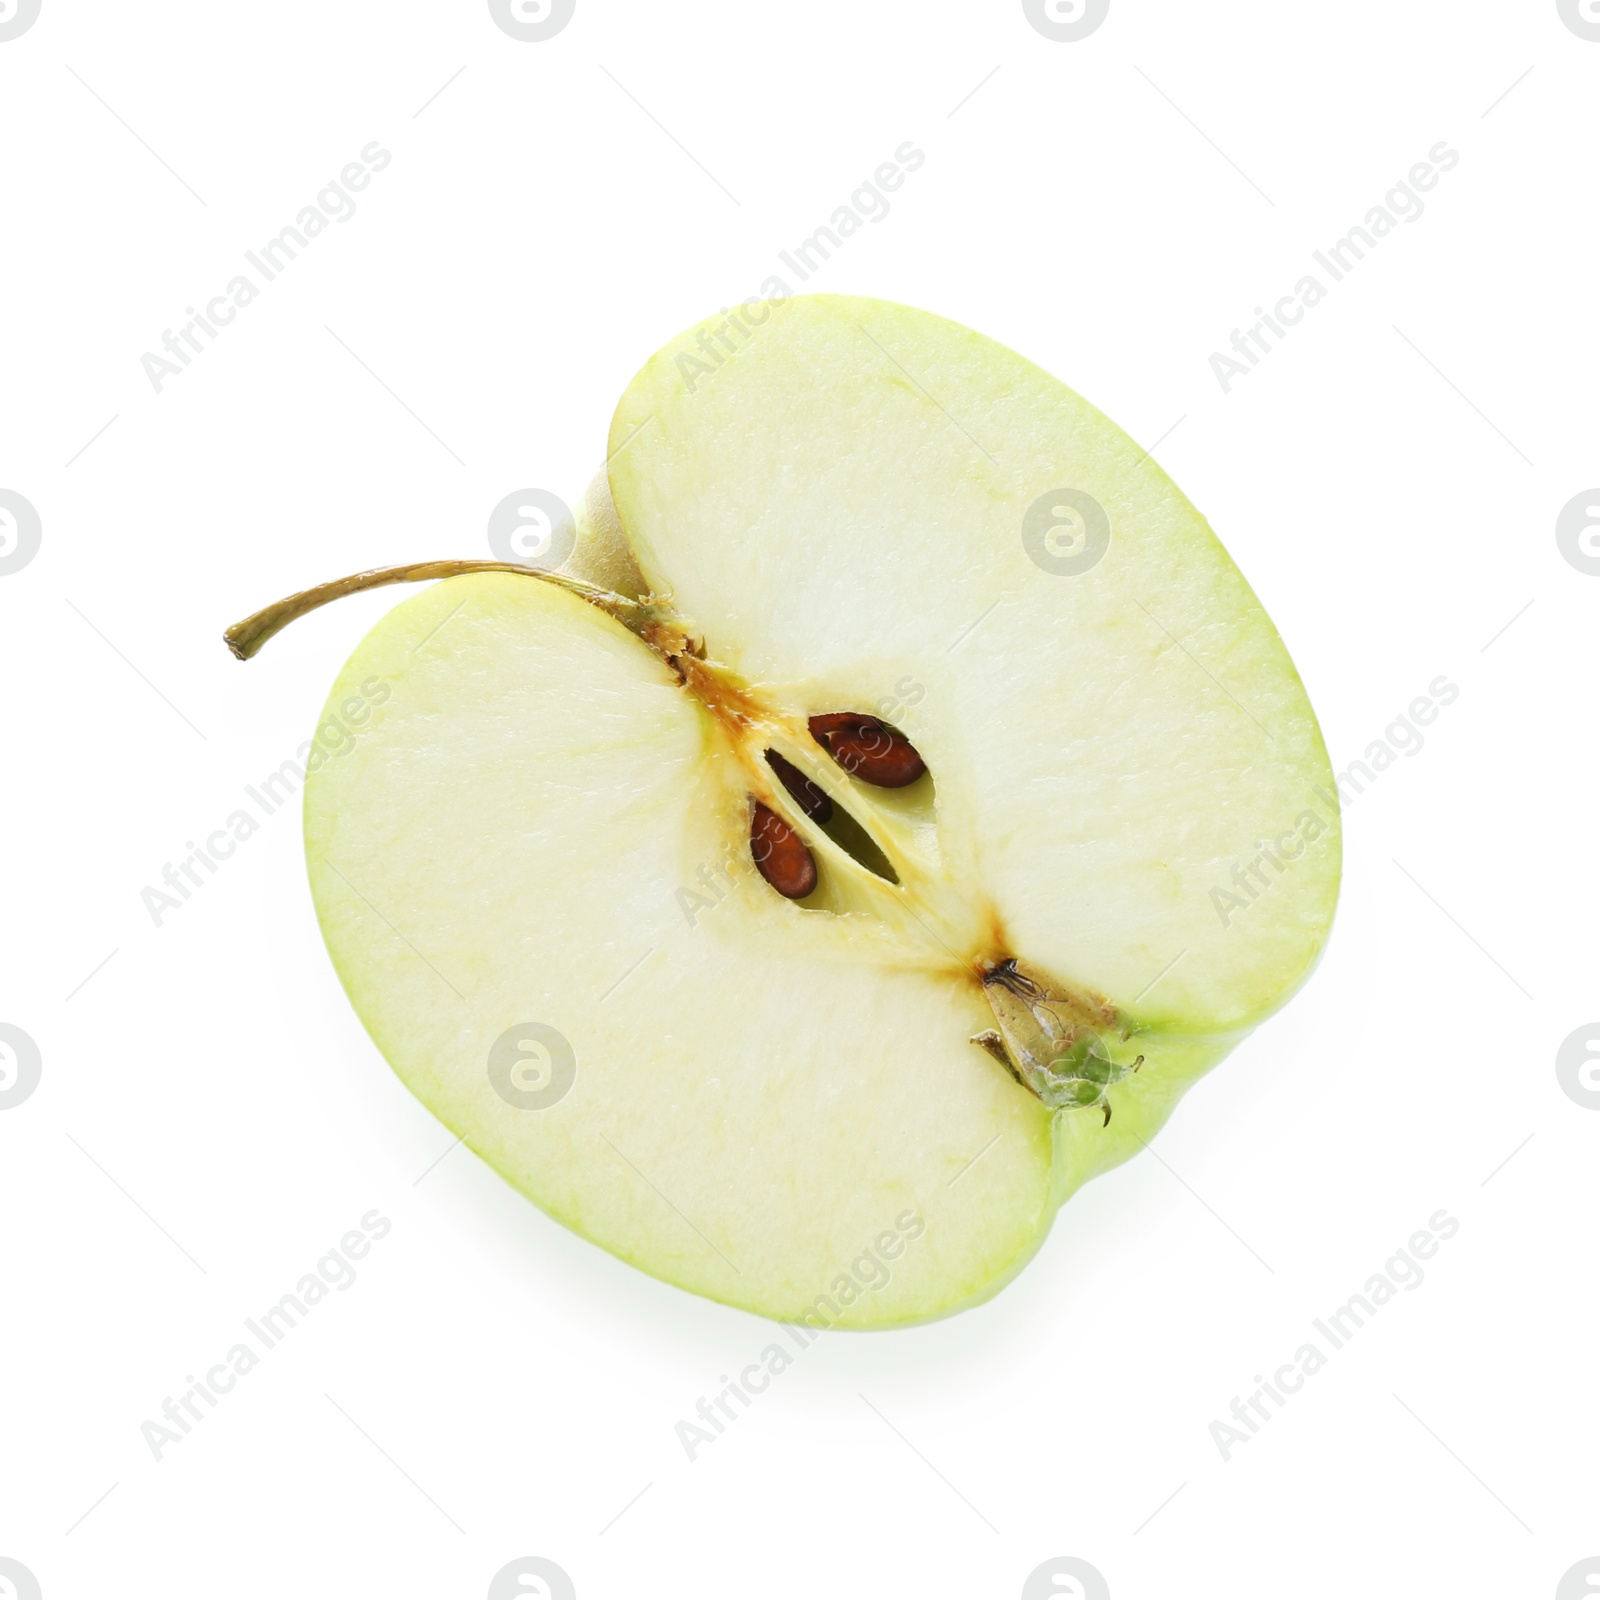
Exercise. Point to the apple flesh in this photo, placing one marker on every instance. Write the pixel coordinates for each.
(1011, 964)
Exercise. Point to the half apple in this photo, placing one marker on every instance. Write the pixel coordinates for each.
(543, 873)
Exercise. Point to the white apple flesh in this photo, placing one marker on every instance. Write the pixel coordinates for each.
(1008, 970)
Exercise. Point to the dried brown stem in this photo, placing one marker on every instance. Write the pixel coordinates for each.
(247, 637)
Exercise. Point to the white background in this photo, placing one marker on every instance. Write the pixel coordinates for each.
(211, 1116)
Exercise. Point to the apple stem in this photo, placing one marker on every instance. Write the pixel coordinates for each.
(247, 637)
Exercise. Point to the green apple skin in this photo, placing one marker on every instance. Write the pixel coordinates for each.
(540, 822)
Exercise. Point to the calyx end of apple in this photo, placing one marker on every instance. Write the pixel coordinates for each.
(1059, 1041)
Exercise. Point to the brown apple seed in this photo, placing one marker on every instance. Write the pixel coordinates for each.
(867, 749)
(780, 855)
(807, 795)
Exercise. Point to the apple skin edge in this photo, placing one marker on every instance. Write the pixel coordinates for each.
(632, 638)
